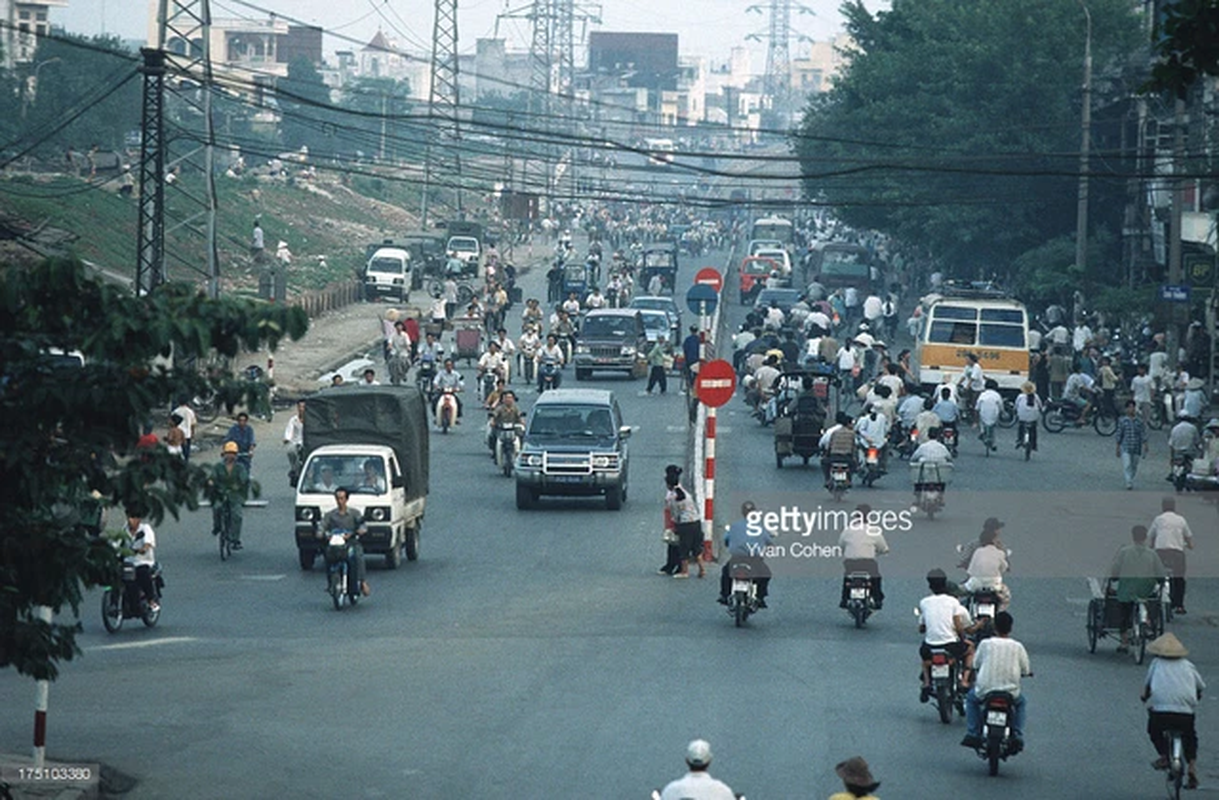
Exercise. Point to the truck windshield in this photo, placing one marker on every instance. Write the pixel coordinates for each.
(392, 266)
(356, 474)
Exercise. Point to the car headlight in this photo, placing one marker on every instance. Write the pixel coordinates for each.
(582, 349)
(532, 460)
(628, 350)
(378, 514)
(601, 462)
(307, 514)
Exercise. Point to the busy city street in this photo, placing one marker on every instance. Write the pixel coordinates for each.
(539, 650)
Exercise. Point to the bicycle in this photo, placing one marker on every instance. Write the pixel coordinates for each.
(223, 532)
(1175, 774)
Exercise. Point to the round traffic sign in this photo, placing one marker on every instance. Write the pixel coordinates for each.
(702, 299)
(710, 276)
(715, 383)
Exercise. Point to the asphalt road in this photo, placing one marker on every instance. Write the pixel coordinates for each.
(537, 654)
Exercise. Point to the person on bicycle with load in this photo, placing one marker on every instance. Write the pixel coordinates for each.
(1172, 691)
(350, 522)
(230, 488)
(1137, 570)
(972, 381)
(1028, 412)
(989, 406)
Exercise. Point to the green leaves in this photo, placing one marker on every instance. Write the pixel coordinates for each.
(67, 428)
(1186, 42)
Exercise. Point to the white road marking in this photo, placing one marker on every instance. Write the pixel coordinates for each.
(279, 577)
(146, 643)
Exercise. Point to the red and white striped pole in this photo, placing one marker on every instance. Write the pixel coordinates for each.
(709, 487)
(42, 690)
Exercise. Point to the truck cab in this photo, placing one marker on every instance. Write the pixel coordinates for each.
(387, 273)
(469, 250)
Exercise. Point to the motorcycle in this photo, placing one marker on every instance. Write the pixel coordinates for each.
(1059, 414)
(948, 438)
(1182, 465)
(946, 684)
(840, 478)
(127, 600)
(527, 366)
(998, 743)
(549, 377)
(930, 483)
(507, 445)
(982, 605)
(860, 602)
(339, 585)
(424, 376)
(743, 601)
(486, 383)
(446, 409)
(869, 465)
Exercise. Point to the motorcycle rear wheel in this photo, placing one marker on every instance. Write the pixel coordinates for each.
(943, 702)
(1053, 421)
(739, 609)
(1104, 424)
(992, 755)
(860, 612)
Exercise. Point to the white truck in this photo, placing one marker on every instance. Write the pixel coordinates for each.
(387, 272)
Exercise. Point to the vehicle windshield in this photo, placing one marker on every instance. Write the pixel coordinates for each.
(656, 322)
(463, 244)
(571, 422)
(848, 263)
(661, 258)
(607, 327)
(761, 266)
(391, 266)
(356, 474)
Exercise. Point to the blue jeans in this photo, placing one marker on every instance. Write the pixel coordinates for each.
(973, 715)
(1130, 466)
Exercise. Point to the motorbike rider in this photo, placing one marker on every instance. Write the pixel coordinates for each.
(861, 542)
(931, 450)
(1172, 691)
(873, 431)
(1078, 392)
(493, 363)
(503, 414)
(449, 378)
(549, 354)
(527, 347)
(1001, 662)
(745, 541)
(572, 304)
(927, 420)
(507, 349)
(1184, 443)
(697, 784)
(294, 437)
(945, 624)
(987, 564)
(531, 315)
(946, 409)
(229, 488)
(351, 523)
(838, 445)
(144, 553)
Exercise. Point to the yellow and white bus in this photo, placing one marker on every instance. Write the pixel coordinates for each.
(993, 327)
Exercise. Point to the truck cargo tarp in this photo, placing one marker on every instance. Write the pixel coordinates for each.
(394, 416)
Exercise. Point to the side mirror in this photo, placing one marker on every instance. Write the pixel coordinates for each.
(624, 432)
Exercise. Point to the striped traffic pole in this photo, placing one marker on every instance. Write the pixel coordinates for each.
(709, 487)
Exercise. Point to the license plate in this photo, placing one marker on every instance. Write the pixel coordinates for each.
(740, 586)
(840, 474)
(859, 594)
(872, 459)
(986, 610)
(566, 478)
(996, 718)
(939, 670)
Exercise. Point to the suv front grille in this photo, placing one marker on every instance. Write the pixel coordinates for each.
(604, 351)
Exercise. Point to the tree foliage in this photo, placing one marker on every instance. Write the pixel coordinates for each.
(1186, 45)
(75, 75)
(308, 119)
(380, 105)
(955, 126)
(67, 430)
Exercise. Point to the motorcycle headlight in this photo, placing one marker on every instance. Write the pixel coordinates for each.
(582, 349)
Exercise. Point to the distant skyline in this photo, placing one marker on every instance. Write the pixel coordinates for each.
(718, 25)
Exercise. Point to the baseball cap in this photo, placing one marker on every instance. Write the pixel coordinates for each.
(698, 753)
(992, 524)
(230, 447)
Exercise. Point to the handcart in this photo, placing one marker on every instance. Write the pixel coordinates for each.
(1144, 617)
(468, 338)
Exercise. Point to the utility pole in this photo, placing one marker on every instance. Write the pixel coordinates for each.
(1175, 272)
(1085, 126)
(150, 242)
(443, 158)
(777, 81)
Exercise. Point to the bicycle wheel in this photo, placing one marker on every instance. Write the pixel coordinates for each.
(226, 544)
(1007, 417)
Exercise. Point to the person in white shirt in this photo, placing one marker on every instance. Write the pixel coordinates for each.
(697, 784)
(861, 542)
(1078, 390)
(1028, 412)
(1142, 390)
(931, 450)
(1172, 691)
(187, 425)
(572, 304)
(988, 563)
(972, 381)
(1170, 536)
(1034, 340)
(774, 318)
(944, 623)
(143, 547)
(989, 406)
(594, 300)
(294, 437)
(1000, 663)
(909, 410)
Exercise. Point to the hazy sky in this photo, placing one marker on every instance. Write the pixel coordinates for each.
(705, 27)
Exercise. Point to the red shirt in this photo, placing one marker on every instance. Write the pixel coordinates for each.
(411, 327)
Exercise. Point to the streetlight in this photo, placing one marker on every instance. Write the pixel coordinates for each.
(1085, 124)
(31, 84)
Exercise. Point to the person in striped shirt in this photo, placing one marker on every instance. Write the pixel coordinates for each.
(1131, 442)
(999, 664)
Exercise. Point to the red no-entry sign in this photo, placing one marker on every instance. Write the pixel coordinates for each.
(715, 383)
(709, 276)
